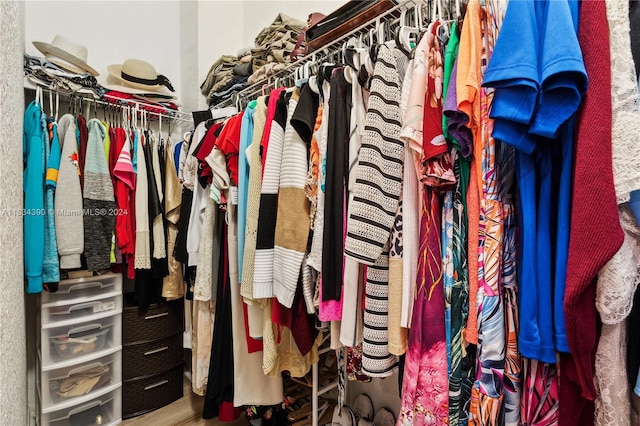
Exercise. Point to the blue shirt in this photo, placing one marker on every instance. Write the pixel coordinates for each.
(539, 76)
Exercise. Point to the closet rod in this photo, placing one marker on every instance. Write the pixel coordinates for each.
(117, 102)
(325, 51)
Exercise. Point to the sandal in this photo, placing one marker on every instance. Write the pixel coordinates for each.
(301, 413)
(83, 382)
(322, 408)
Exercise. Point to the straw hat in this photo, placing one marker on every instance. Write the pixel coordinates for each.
(66, 54)
(140, 75)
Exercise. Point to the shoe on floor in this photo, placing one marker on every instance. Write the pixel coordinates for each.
(384, 417)
(363, 407)
(343, 416)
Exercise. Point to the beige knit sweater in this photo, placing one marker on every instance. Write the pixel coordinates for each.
(253, 200)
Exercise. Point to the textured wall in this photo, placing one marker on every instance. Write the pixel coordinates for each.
(13, 389)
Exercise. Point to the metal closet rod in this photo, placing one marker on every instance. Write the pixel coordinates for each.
(326, 51)
(118, 103)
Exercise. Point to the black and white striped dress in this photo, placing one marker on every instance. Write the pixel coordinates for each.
(375, 201)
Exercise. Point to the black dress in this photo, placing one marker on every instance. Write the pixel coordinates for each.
(220, 382)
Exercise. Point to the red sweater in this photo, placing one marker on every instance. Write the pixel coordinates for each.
(595, 234)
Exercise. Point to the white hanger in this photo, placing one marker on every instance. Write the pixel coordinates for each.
(57, 106)
(405, 32)
(419, 17)
(126, 112)
(38, 97)
(434, 11)
(381, 32)
(307, 70)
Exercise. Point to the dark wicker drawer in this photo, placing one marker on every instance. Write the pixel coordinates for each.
(149, 358)
(140, 396)
(153, 323)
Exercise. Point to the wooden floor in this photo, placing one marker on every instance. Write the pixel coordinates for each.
(187, 411)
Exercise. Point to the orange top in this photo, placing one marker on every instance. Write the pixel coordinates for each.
(473, 211)
(469, 80)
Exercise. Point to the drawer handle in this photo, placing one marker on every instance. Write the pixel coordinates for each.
(155, 351)
(85, 286)
(85, 368)
(84, 328)
(84, 306)
(155, 385)
(164, 314)
(85, 407)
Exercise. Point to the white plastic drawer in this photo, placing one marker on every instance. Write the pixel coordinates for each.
(69, 386)
(80, 309)
(104, 410)
(86, 288)
(74, 344)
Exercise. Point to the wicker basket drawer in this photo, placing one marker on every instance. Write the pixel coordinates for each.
(149, 358)
(153, 323)
(140, 396)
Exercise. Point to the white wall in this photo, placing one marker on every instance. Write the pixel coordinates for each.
(224, 27)
(112, 30)
(220, 32)
(180, 38)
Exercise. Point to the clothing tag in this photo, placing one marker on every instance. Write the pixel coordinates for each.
(104, 307)
(233, 194)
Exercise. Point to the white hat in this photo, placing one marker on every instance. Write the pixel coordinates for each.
(113, 83)
(138, 74)
(66, 54)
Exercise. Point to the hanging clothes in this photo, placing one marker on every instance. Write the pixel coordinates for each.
(51, 262)
(99, 199)
(173, 283)
(68, 197)
(33, 176)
